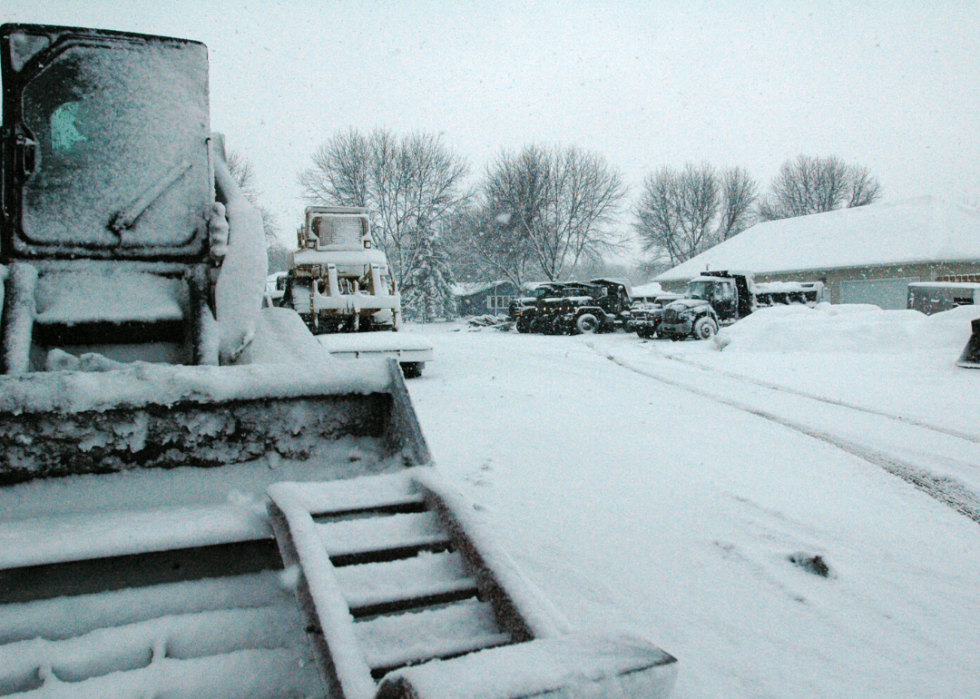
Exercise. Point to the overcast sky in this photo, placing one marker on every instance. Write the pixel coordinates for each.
(894, 86)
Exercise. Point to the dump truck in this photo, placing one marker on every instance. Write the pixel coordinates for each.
(197, 500)
(718, 298)
(341, 286)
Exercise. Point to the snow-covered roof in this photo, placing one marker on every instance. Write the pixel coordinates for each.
(647, 289)
(925, 229)
(469, 288)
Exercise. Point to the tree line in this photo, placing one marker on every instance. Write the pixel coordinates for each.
(545, 212)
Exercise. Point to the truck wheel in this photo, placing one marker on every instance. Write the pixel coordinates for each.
(705, 328)
(643, 332)
(412, 370)
(587, 323)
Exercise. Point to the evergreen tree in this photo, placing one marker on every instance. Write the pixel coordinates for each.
(429, 295)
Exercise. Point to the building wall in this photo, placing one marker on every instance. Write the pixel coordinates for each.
(492, 301)
(884, 285)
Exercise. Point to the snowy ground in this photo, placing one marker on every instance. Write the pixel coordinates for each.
(666, 486)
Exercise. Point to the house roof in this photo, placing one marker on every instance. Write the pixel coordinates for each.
(925, 229)
(648, 289)
(470, 288)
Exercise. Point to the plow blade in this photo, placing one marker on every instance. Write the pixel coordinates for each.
(970, 359)
(136, 555)
(263, 531)
(56, 424)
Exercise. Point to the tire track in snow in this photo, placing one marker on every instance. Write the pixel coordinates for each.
(948, 491)
(831, 401)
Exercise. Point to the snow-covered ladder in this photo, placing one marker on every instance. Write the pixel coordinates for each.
(400, 585)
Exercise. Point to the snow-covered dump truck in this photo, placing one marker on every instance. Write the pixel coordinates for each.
(718, 298)
(196, 500)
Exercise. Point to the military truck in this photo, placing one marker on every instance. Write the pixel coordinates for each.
(569, 308)
(645, 316)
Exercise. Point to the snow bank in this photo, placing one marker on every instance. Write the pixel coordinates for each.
(856, 328)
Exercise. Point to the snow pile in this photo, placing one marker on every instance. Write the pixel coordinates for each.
(850, 328)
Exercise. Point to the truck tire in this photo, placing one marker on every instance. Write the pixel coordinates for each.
(587, 323)
(412, 370)
(705, 328)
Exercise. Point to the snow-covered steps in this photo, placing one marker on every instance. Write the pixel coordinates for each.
(425, 579)
(384, 575)
(382, 536)
(397, 577)
(614, 666)
(239, 636)
(445, 631)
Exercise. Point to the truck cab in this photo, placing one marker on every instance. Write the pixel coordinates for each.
(712, 300)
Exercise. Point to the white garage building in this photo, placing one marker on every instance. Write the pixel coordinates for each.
(868, 254)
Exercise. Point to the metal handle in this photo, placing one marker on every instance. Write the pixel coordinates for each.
(25, 154)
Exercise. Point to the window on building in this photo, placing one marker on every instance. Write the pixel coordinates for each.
(502, 303)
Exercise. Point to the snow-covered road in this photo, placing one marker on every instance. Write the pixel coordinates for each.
(650, 493)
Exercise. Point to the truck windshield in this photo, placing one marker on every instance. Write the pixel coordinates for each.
(699, 290)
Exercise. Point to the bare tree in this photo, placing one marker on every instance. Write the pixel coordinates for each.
(865, 189)
(485, 246)
(810, 185)
(411, 185)
(681, 214)
(553, 206)
(244, 173)
(739, 193)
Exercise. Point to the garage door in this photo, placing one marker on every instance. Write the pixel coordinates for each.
(886, 293)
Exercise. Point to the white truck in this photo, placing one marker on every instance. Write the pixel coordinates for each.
(340, 282)
(341, 285)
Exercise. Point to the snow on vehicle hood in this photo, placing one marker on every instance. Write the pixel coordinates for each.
(684, 304)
